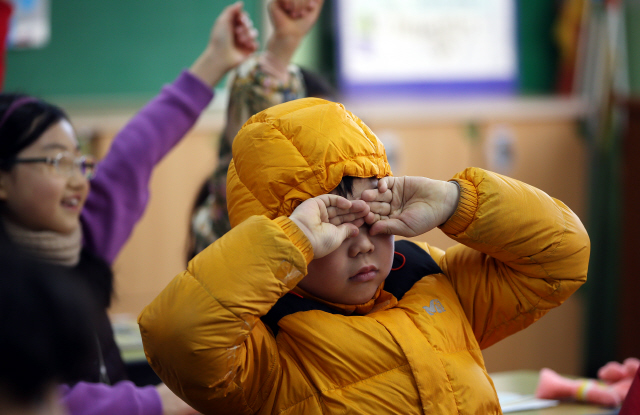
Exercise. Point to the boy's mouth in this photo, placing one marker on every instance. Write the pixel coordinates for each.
(364, 274)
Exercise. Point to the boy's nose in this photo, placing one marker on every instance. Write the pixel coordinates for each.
(361, 244)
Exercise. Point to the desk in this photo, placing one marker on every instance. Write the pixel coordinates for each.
(526, 381)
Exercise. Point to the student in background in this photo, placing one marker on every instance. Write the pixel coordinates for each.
(307, 305)
(49, 208)
(261, 82)
(46, 325)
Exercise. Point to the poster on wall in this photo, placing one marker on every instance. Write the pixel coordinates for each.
(426, 46)
(30, 25)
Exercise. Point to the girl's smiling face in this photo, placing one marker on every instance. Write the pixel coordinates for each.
(36, 195)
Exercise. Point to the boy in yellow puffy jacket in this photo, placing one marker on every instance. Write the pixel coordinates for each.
(307, 306)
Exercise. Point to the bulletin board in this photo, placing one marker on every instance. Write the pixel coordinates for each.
(115, 47)
(426, 46)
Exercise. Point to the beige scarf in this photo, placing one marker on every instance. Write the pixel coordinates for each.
(49, 246)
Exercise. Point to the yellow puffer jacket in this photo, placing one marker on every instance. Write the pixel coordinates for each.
(521, 253)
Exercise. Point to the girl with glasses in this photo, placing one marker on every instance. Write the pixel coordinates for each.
(50, 209)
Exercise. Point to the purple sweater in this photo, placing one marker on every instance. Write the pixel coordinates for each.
(123, 398)
(120, 190)
(117, 200)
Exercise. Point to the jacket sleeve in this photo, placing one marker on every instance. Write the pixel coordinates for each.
(203, 335)
(521, 253)
(119, 192)
(123, 398)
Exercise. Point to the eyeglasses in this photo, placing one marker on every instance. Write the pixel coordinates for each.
(66, 164)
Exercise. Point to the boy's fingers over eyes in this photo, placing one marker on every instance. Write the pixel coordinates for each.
(374, 217)
(334, 212)
(348, 217)
(374, 195)
(390, 227)
(380, 208)
(339, 220)
(335, 201)
(383, 184)
(338, 216)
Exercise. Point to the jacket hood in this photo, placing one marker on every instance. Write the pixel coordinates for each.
(295, 151)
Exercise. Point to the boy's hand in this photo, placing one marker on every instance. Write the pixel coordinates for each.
(328, 220)
(410, 206)
(231, 41)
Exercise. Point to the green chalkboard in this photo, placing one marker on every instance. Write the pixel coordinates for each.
(116, 47)
(103, 48)
(537, 49)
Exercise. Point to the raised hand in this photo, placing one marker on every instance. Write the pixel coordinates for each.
(410, 206)
(231, 41)
(292, 20)
(294, 17)
(328, 220)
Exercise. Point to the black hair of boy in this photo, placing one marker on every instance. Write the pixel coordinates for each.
(46, 325)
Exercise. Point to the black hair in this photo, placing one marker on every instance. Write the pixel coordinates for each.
(46, 324)
(317, 86)
(23, 120)
(345, 188)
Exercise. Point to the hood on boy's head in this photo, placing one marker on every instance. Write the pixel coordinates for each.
(295, 151)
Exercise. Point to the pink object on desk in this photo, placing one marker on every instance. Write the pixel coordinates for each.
(610, 390)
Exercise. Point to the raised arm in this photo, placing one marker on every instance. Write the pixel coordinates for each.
(203, 335)
(120, 191)
(263, 81)
(270, 79)
(522, 253)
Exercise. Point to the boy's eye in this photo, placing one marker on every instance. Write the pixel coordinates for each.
(366, 226)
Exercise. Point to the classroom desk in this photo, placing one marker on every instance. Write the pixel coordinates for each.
(525, 382)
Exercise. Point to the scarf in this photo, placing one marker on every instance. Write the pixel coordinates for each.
(49, 246)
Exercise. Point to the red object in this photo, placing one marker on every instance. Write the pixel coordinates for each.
(5, 15)
(404, 261)
(631, 405)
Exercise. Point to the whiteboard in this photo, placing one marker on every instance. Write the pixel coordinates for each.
(443, 46)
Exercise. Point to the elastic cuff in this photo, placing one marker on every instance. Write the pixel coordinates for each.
(297, 237)
(466, 210)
